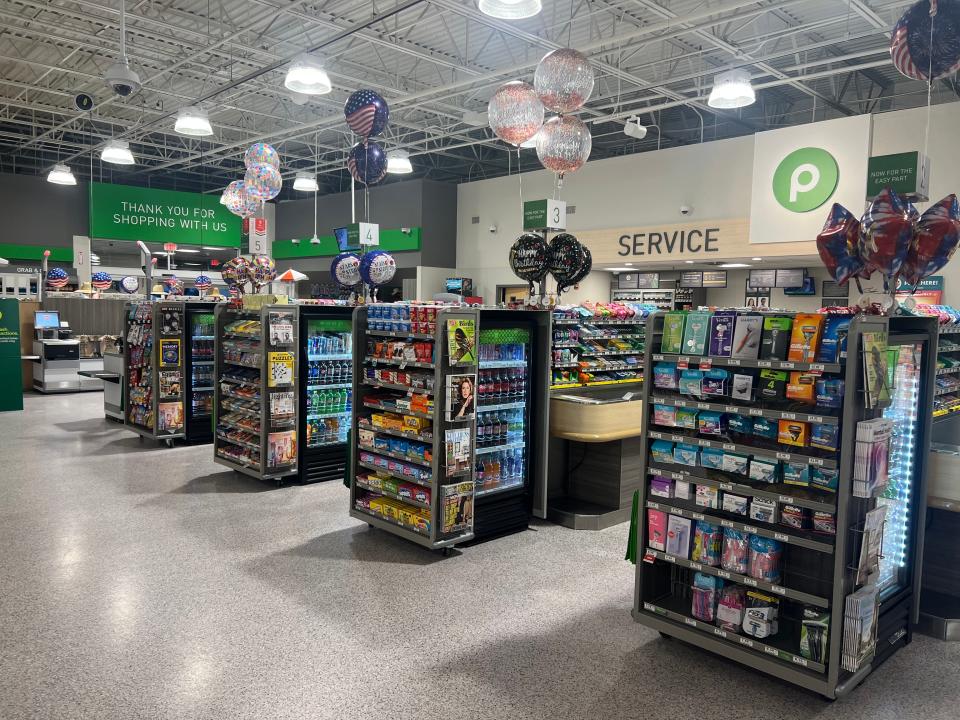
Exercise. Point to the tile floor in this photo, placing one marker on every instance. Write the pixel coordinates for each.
(138, 581)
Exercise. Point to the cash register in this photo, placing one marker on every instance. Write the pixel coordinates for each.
(58, 356)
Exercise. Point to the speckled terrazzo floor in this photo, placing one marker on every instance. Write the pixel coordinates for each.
(142, 582)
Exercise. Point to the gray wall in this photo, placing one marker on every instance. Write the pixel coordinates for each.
(36, 212)
(439, 213)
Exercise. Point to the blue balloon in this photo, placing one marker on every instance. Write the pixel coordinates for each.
(377, 268)
(345, 269)
(366, 113)
(367, 163)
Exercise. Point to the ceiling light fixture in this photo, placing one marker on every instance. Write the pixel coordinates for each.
(689, 262)
(306, 75)
(510, 9)
(186, 250)
(618, 269)
(634, 128)
(211, 247)
(305, 182)
(733, 266)
(61, 175)
(475, 118)
(398, 162)
(121, 79)
(731, 90)
(193, 121)
(117, 152)
(756, 259)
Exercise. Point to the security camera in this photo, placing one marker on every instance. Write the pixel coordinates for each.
(406, 231)
(124, 81)
(493, 228)
(685, 209)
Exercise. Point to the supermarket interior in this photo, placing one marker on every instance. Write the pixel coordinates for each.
(630, 329)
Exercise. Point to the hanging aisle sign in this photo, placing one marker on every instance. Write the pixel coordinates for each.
(907, 173)
(124, 212)
(545, 215)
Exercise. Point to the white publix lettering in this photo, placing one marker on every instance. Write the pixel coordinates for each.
(169, 216)
(677, 242)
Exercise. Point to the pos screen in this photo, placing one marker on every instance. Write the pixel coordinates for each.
(46, 319)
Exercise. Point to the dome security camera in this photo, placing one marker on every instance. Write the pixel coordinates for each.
(121, 79)
(685, 209)
(493, 228)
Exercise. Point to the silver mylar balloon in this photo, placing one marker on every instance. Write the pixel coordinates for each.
(563, 144)
(563, 80)
(515, 112)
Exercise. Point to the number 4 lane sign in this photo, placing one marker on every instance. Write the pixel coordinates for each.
(369, 234)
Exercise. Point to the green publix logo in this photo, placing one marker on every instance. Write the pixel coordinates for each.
(805, 179)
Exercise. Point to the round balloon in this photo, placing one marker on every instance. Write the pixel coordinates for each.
(345, 269)
(377, 267)
(203, 282)
(585, 267)
(366, 113)
(367, 162)
(262, 182)
(563, 144)
(515, 113)
(261, 154)
(838, 244)
(886, 233)
(57, 277)
(916, 52)
(938, 232)
(173, 285)
(235, 271)
(530, 257)
(566, 258)
(239, 202)
(101, 280)
(129, 284)
(563, 80)
(262, 270)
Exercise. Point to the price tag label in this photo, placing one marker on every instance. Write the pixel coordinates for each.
(817, 368)
(787, 366)
(728, 487)
(696, 566)
(731, 408)
(658, 357)
(678, 403)
(749, 581)
(726, 523)
(649, 558)
(816, 461)
(670, 559)
(778, 589)
(815, 418)
(788, 416)
(706, 443)
(788, 499)
(756, 411)
(649, 606)
(698, 516)
(724, 574)
(771, 650)
(781, 537)
(655, 435)
(677, 476)
(764, 363)
(706, 364)
(734, 362)
(703, 406)
(690, 621)
(683, 363)
(729, 446)
(783, 456)
(749, 529)
(655, 506)
(799, 660)
(745, 641)
(718, 631)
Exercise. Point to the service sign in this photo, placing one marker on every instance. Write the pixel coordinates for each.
(124, 212)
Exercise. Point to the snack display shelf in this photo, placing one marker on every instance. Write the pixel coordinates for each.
(400, 362)
(395, 476)
(241, 443)
(698, 361)
(392, 495)
(240, 381)
(745, 410)
(238, 426)
(238, 396)
(400, 334)
(742, 449)
(598, 383)
(500, 448)
(387, 408)
(741, 489)
(745, 580)
(241, 464)
(395, 386)
(485, 491)
(394, 455)
(763, 650)
(948, 370)
(406, 435)
(702, 513)
(385, 523)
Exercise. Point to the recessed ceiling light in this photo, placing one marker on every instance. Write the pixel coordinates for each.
(732, 266)
(732, 90)
(756, 259)
(306, 182)
(398, 162)
(61, 175)
(689, 262)
(118, 153)
(193, 121)
(307, 76)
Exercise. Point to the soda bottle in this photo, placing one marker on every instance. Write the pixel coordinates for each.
(481, 432)
(479, 474)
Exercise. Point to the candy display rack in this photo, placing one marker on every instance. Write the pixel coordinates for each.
(414, 418)
(760, 567)
(256, 398)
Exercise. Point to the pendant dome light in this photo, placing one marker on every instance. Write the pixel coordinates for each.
(305, 182)
(398, 162)
(61, 175)
(307, 76)
(117, 152)
(193, 121)
(732, 90)
(510, 9)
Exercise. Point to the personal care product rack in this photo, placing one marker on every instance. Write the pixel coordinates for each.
(819, 570)
(598, 351)
(257, 396)
(407, 494)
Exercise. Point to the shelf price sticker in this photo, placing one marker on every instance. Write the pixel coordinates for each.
(816, 369)
(799, 660)
(706, 363)
(781, 537)
(778, 589)
(649, 558)
(734, 362)
(771, 650)
(683, 363)
(690, 621)
(788, 499)
(721, 633)
(747, 642)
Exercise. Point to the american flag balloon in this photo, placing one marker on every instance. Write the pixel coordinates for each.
(926, 40)
(366, 113)
(202, 282)
(101, 280)
(367, 162)
(57, 277)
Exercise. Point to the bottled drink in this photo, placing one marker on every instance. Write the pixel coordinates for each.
(479, 474)
(481, 432)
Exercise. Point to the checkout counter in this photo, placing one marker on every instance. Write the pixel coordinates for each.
(57, 365)
(595, 451)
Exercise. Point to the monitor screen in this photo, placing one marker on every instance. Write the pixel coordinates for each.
(46, 319)
(343, 241)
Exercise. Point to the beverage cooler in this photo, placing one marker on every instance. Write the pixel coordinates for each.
(512, 424)
(199, 372)
(325, 390)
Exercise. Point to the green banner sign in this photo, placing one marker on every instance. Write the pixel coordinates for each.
(125, 212)
(11, 392)
(545, 215)
(906, 173)
(390, 240)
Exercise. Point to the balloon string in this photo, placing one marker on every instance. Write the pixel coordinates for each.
(520, 179)
(926, 132)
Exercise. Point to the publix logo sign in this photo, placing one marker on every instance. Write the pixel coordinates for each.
(805, 179)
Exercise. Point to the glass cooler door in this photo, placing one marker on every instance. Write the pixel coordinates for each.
(201, 366)
(329, 381)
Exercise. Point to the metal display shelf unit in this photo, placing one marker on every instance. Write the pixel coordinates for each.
(265, 377)
(819, 571)
(422, 521)
(587, 351)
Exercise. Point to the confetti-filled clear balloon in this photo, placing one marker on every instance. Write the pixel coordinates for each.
(263, 182)
(101, 280)
(367, 162)
(916, 52)
(345, 269)
(203, 282)
(239, 202)
(235, 271)
(886, 233)
(938, 232)
(563, 144)
(838, 244)
(515, 113)
(128, 284)
(261, 153)
(530, 258)
(377, 268)
(563, 80)
(262, 270)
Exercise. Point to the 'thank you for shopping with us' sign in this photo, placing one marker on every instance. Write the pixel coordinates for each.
(124, 212)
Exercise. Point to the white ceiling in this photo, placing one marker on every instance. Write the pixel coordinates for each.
(431, 60)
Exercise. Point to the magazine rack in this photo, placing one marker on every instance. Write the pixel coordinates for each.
(819, 570)
(256, 398)
(405, 477)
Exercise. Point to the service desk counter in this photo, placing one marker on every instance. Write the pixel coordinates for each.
(940, 582)
(594, 463)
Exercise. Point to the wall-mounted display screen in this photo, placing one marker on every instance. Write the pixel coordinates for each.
(691, 279)
(790, 278)
(714, 278)
(760, 279)
(809, 287)
(648, 281)
(627, 281)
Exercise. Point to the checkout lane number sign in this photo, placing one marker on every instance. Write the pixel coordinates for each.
(805, 179)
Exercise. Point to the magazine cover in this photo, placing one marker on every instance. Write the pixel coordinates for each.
(462, 341)
(281, 405)
(282, 448)
(457, 508)
(457, 450)
(281, 328)
(460, 397)
(169, 383)
(170, 352)
(281, 369)
(875, 371)
(169, 416)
